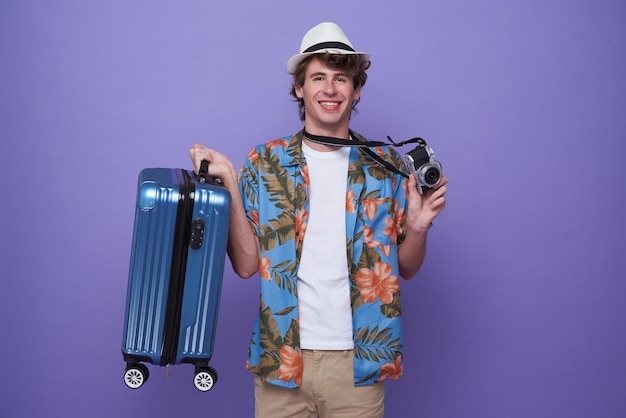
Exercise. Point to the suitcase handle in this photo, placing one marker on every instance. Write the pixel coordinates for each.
(203, 173)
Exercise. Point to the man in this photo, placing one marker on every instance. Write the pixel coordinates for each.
(329, 231)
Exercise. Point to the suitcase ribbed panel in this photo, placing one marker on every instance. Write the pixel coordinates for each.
(205, 268)
(150, 262)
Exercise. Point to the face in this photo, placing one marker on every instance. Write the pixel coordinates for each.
(328, 95)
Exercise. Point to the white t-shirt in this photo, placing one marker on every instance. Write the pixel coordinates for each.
(323, 282)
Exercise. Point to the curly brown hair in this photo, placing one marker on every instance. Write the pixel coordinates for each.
(351, 64)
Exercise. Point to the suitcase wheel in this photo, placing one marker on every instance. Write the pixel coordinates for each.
(136, 375)
(204, 378)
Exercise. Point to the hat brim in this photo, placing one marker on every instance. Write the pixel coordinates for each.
(293, 62)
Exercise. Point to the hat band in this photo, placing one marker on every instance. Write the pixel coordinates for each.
(328, 45)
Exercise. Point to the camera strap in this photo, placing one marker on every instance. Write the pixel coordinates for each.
(365, 147)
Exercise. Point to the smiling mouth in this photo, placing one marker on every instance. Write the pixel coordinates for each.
(329, 105)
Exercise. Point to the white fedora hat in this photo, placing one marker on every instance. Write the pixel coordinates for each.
(325, 37)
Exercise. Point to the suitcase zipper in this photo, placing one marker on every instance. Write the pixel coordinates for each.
(173, 310)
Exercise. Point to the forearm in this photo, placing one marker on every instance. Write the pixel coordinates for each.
(242, 243)
(423, 209)
(412, 251)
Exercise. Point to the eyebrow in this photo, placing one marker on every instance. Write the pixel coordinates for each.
(321, 73)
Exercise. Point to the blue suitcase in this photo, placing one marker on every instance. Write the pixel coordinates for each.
(175, 276)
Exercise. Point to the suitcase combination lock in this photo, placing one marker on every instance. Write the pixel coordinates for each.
(197, 234)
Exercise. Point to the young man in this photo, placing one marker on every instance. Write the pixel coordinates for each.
(329, 231)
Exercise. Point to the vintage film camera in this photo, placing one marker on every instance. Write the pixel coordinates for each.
(421, 162)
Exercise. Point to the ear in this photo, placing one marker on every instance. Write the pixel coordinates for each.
(298, 89)
(357, 94)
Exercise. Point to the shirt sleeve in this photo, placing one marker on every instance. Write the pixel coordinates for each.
(400, 194)
(249, 189)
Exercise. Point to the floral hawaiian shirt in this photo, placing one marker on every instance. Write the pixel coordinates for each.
(274, 185)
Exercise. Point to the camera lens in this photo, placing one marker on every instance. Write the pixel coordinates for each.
(431, 177)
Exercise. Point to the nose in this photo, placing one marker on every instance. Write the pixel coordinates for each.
(329, 87)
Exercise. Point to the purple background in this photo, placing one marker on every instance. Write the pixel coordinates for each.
(519, 309)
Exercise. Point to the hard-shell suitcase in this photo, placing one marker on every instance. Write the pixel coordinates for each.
(175, 276)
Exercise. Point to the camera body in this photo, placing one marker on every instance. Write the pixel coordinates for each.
(421, 162)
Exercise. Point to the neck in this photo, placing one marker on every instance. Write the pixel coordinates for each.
(317, 146)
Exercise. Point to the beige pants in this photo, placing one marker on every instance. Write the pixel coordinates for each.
(327, 391)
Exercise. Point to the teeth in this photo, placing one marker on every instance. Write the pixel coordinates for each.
(329, 103)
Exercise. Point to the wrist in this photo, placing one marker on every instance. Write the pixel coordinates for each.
(231, 178)
(421, 227)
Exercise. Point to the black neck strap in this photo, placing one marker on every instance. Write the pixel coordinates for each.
(363, 146)
(355, 142)
(340, 142)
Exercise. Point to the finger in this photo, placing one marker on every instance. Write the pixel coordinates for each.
(198, 153)
(438, 200)
(443, 180)
(413, 193)
(203, 154)
(412, 184)
(438, 193)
